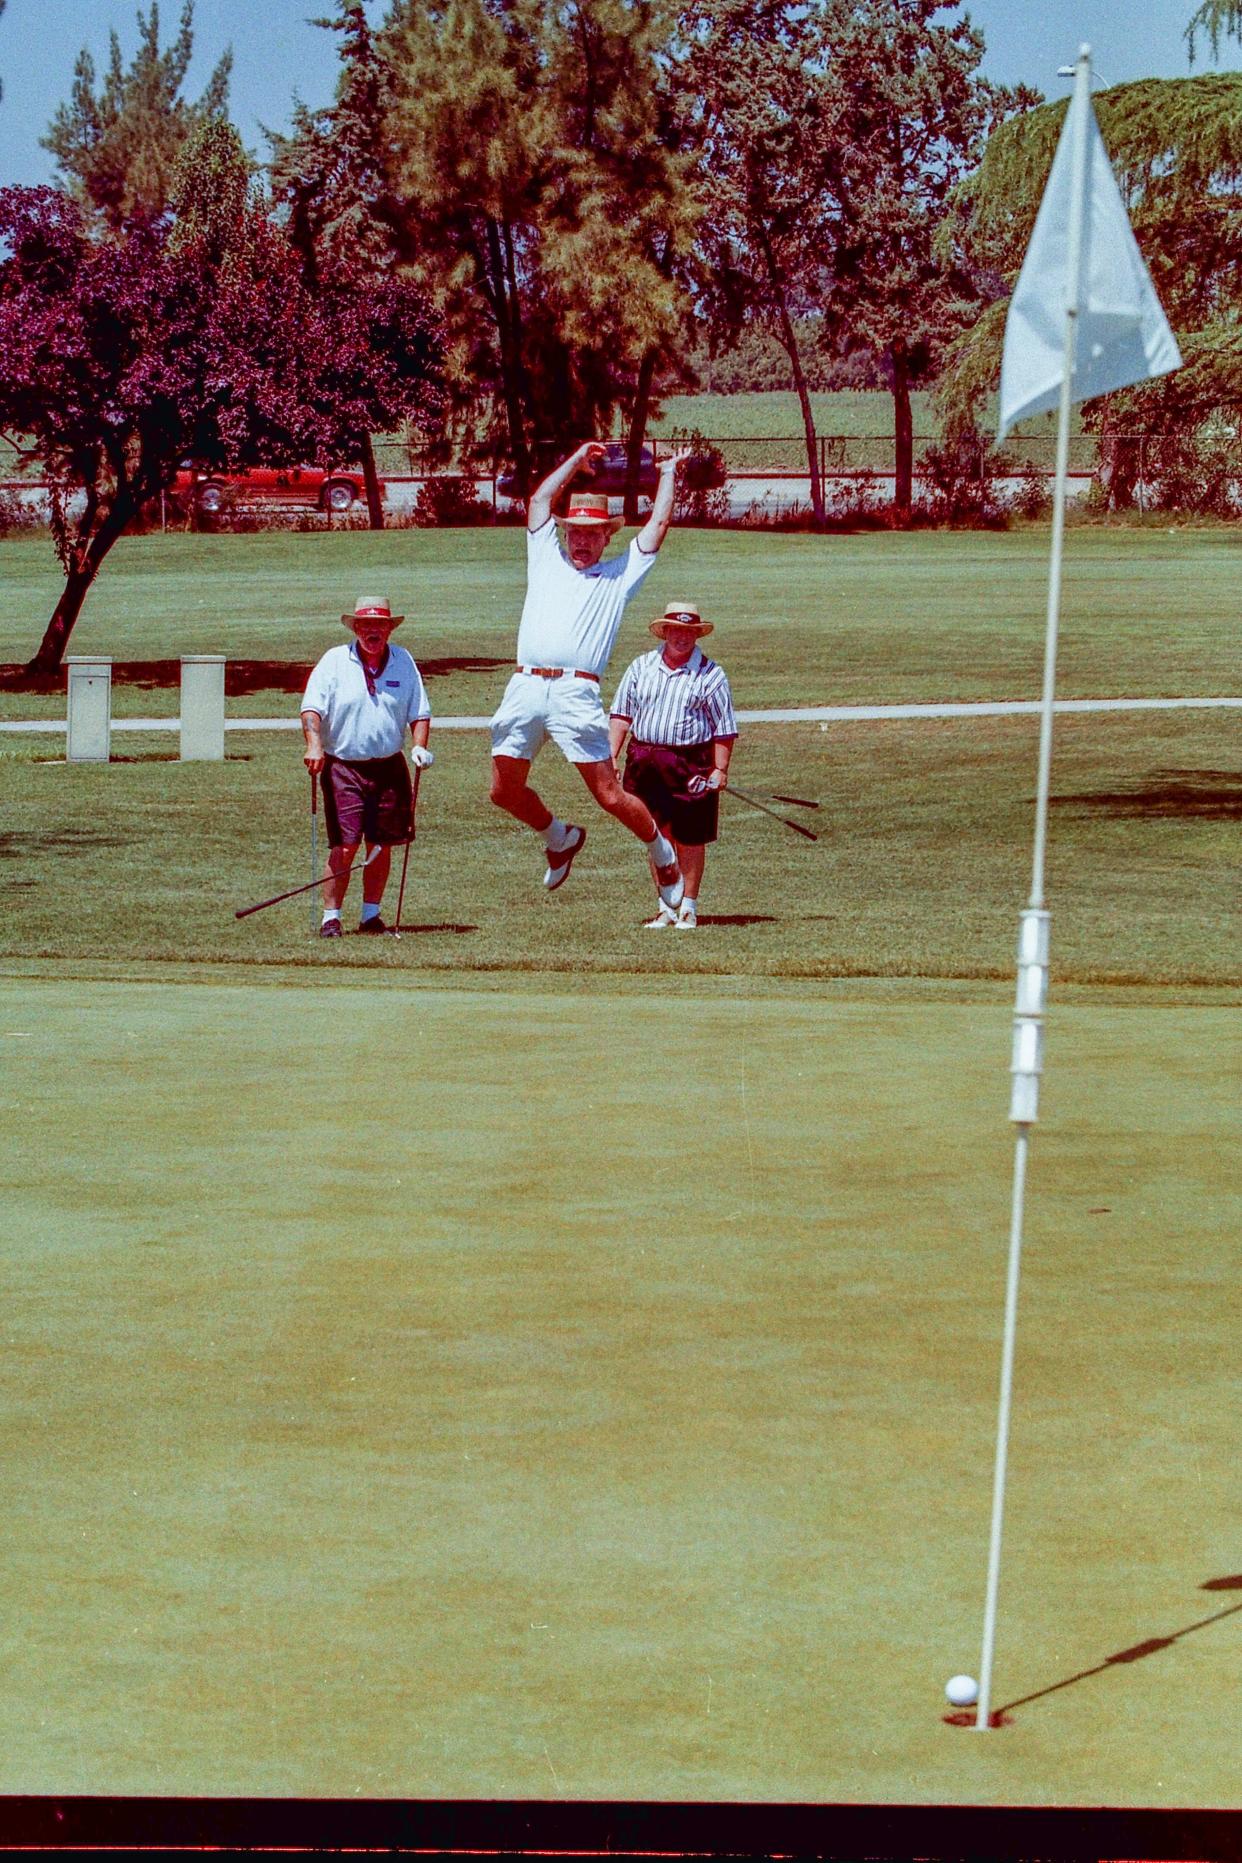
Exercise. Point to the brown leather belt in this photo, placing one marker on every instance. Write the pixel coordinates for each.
(558, 672)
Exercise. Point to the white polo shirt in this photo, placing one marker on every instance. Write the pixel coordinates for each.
(571, 617)
(361, 718)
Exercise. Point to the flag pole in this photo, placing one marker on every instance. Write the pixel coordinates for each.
(1034, 923)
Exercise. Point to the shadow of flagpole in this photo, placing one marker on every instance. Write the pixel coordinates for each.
(1150, 1646)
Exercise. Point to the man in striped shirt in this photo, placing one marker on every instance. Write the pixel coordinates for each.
(677, 705)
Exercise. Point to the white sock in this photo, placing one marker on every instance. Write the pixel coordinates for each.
(688, 904)
(331, 912)
(369, 911)
(554, 834)
(662, 852)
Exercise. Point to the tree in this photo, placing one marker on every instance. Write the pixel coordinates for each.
(1176, 149)
(118, 149)
(122, 353)
(329, 178)
(911, 115)
(1214, 19)
(760, 121)
(544, 203)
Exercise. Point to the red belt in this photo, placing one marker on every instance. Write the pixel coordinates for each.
(558, 672)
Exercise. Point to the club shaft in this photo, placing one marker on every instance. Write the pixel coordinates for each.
(755, 803)
(293, 891)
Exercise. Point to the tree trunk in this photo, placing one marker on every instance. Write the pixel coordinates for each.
(77, 585)
(370, 479)
(508, 342)
(903, 433)
(789, 344)
(634, 440)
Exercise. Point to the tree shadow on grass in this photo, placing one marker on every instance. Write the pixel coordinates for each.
(1197, 795)
(67, 841)
(241, 677)
(1150, 1646)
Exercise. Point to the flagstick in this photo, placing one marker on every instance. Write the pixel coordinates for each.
(1033, 934)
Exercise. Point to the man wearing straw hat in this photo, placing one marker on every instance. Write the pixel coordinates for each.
(677, 710)
(573, 609)
(357, 704)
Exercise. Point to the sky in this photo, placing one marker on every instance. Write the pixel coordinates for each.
(278, 53)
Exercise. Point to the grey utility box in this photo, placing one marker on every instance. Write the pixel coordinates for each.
(202, 708)
(89, 716)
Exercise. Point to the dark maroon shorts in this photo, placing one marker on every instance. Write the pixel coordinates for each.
(367, 800)
(660, 774)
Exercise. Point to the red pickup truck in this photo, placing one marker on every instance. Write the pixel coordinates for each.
(334, 490)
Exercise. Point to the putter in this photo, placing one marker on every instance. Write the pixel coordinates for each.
(245, 911)
(314, 860)
(405, 858)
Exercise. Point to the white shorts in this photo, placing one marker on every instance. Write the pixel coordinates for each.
(567, 710)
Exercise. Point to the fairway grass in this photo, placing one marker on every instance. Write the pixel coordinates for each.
(846, 620)
(528, 1394)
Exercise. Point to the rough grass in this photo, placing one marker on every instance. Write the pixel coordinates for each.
(922, 863)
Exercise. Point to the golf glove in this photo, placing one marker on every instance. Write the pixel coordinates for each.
(703, 785)
(421, 758)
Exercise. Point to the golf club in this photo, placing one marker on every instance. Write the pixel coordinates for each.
(698, 787)
(405, 858)
(293, 891)
(799, 802)
(314, 840)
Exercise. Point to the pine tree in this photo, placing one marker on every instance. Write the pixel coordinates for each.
(760, 113)
(330, 177)
(1176, 149)
(118, 147)
(910, 114)
(544, 203)
(1214, 19)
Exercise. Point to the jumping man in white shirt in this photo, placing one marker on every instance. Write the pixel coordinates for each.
(574, 604)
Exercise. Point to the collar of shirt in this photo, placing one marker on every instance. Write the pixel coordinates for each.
(370, 677)
(692, 665)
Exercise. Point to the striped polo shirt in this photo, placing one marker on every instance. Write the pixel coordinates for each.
(688, 704)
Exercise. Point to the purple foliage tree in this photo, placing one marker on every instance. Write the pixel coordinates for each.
(191, 335)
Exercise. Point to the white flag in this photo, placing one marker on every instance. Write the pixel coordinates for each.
(1123, 335)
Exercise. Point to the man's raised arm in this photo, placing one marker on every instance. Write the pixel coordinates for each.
(545, 495)
(655, 530)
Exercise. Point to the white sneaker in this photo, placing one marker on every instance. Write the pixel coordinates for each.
(662, 920)
(561, 859)
(670, 885)
(687, 918)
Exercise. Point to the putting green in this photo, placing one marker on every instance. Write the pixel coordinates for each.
(517, 1393)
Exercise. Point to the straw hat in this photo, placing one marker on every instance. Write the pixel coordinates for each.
(680, 614)
(372, 608)
(589, 508)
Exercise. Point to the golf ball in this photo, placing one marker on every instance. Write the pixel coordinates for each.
(962, 1690)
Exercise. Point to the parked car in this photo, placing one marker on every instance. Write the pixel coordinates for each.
(607, 475)
(329, 490)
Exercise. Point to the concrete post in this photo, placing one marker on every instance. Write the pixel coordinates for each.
(202, 708)
(89, 709)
